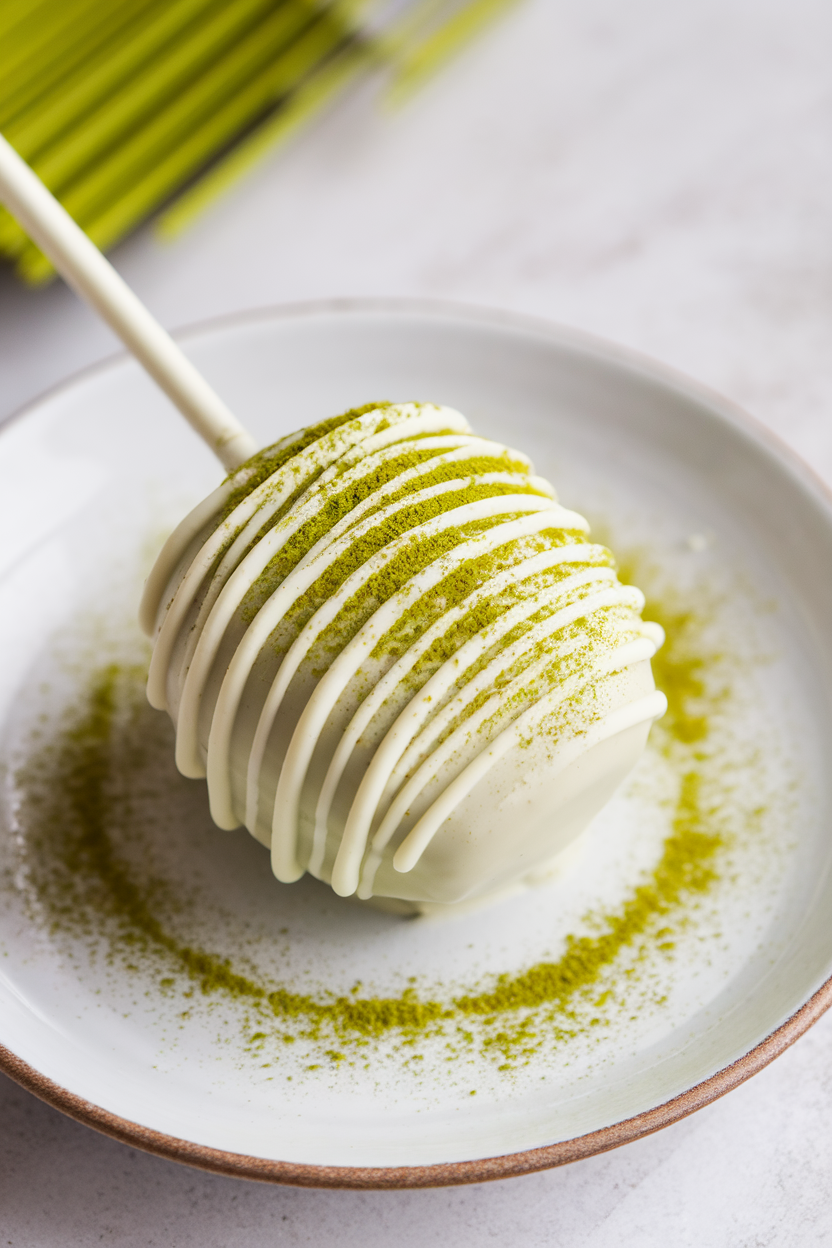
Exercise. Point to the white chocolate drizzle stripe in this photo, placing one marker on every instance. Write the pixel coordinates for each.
(397, 435)
(414, 845)
(267, 498)
(221, 605)
(515, 575)
(246, 551)
(283, 848)
(174, 548)
(630, 653)
(408, 727)
(321, 557)
(388, 757)
(322, 700)
(440, 717)
(172, 552)
(651, 707)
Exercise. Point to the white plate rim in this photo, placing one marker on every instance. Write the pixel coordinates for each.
(529, 1160)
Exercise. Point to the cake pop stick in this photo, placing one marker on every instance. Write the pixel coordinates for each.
(94, 279)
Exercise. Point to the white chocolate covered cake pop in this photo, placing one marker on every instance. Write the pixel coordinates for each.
(399, 662)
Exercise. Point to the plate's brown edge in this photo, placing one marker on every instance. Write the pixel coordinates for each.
(445, 1174)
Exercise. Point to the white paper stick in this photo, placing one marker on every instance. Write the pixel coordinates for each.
(91, 276)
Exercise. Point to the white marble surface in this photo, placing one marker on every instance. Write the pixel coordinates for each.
(655, 172)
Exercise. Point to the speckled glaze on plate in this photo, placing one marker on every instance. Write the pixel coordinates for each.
(667, 466)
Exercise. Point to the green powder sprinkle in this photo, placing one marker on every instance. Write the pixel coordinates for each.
(339, 502)
(268, 461)
(686, 867)
(76, 795)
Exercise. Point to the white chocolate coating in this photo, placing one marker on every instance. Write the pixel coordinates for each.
(398, 660)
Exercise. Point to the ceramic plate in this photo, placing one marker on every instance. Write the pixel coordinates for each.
(159, 984)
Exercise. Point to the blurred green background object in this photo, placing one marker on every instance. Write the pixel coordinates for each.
(125, 107)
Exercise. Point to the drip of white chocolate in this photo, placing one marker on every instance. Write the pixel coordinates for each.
(398, 660)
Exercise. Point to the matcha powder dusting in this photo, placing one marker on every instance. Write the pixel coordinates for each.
(84, 800)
